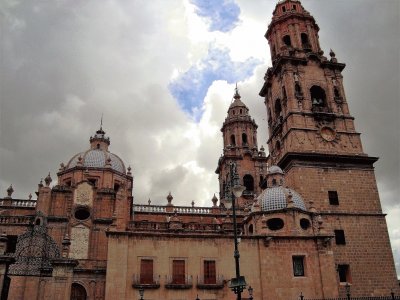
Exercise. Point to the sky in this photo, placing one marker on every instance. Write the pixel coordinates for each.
(163, 74)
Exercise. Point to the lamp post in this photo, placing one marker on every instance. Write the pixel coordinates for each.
(347, 286)
(238, 283)
(141, 293)
(250, 289)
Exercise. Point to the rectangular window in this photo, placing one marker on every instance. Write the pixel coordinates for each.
(298, 266)
(146, 271)
(178, 271)
(344, 273)
(210, 276)
(11, 243)
(333, 198)
(339, 237)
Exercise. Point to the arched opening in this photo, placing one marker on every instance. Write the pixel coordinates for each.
(82, 213)
(78, 292)
(283, 8)
(297, 89)
(233, 142)
(304, 41)
(318, 96)
(278, 146)
(336, 92)
(278, 107)
(38, 222)
(284, 93)
(251, 229)
(287, 41)
(244, 138)
(248, 182)
(305, 223)
(241, 111)
(98, 146)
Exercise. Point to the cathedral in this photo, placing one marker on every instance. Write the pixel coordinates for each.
(308, 219)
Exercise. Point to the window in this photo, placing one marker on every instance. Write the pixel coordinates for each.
(275, 224)
(248, 182)
(304, 224)
(298, 266)
(146, 271)
(233, 142)
(339, 237)
(304, 41)
(287, 40)
(294, 7)
(92, 181)
(278, 107)
(317, 96)
(210, 276)
(251, 229)
(344, 273)
(336, 92)
(283, 9)
(11, 243)
(178, 271)
(284, 93)
(244, 138)
(333, 198)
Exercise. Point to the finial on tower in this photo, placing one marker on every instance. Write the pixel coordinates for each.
(237, 95)
(101, 122)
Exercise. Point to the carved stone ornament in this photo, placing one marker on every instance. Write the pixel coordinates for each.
(84, 194)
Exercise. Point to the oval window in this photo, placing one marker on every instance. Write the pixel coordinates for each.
(304, 223)
(82, 213)
(275, 224)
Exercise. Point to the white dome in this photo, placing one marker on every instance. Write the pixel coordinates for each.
(275, 198)
(97, 158)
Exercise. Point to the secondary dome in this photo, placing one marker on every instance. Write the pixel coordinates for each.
(275, 198)
(98, 155)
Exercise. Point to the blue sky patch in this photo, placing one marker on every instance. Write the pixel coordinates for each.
(191, 87)
(222, 14)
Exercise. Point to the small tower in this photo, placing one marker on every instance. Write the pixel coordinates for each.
(239, 133)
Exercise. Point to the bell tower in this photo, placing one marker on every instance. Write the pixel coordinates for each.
(312, 137)
(303, 90)
(239, 133)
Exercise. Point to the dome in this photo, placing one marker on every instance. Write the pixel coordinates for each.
(98, 155)
(275, 198)
(274, 170)
(97, 158)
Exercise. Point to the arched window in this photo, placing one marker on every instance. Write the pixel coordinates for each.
(287, 40)
(78, 292)
(251, 229)
(318, 96)
(278, 107)
(297, 88)
(304, 41)
(233, 142)
(283, 8)
(248, 182)
(278, 146)
(244, 138)
(336, 92)
(284, 93)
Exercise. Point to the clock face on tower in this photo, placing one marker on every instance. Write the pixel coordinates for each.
(328, 134)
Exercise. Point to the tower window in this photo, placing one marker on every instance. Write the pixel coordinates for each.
(241, 111)
(278, 107)
(339, 237)
(248, 182)
(304, 41)
(344, 273)
(333, 198)
(287, 40)
(283, 8)
(336, 92)
(233, 142)
(11, 243)
(251, 229)
(244, 138)
(294, 7)
(298, 266)
(278, 146)
(284, 93)
(318, 96)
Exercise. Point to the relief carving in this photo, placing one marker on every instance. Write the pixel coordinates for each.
(84, 194)
(79, 242)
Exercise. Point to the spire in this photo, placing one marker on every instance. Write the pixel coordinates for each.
(99, 140)
(237, 95)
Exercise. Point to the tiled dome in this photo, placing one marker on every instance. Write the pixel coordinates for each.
(275, 198)
(97, 158)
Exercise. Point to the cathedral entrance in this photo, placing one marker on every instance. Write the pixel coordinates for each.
(78, 292)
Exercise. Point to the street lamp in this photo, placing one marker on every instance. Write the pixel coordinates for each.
(250, 289)
(141, 293)
(347, 286)
(238, 283)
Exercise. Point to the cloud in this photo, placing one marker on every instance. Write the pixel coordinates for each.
(221, 15)
(191, 87)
